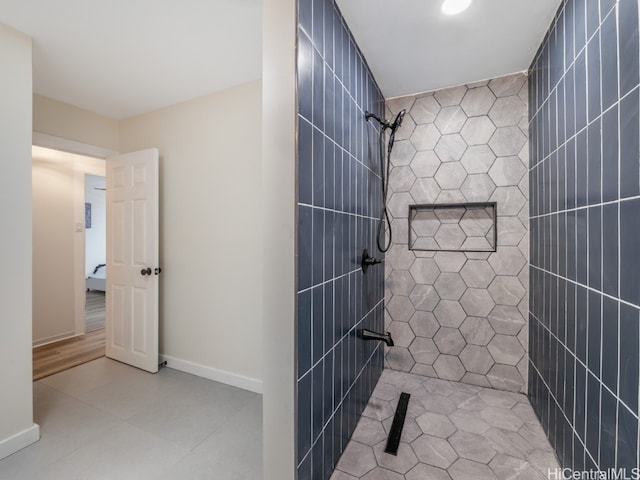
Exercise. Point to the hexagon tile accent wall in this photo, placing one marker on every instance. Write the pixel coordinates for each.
(462, 315)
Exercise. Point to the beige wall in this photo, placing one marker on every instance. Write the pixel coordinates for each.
(16, 415)
(210, 224)
(58, 242)
(278, 214)
(53, 282)
(210, 227)
(66, 121)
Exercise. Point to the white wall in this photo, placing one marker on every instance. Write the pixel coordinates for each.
(96, 236)
(210, 231)
(16, 413)
(58, 242)
(279, 216)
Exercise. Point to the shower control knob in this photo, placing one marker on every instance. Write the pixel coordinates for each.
(368, 260)
(145, 271)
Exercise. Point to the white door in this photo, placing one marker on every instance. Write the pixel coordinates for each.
(131, 324)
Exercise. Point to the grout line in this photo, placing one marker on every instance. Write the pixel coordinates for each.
(340, 212)
(314, 442)
(587, 370)
(546, 219)
(359, 91)
(615, 104)
(568, 280)
(570, 423)
(342, 338)
(544, 45)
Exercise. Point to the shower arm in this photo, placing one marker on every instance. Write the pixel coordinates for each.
(385, 124)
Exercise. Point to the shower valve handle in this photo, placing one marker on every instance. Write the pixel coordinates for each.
(368, 260)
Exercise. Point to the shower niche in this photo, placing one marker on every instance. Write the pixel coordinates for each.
(460, 227)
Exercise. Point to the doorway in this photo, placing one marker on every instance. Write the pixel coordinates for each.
(60, 337)
(95, 234)
(64, 270)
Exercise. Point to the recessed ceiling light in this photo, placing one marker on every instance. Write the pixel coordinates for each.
(453, 7)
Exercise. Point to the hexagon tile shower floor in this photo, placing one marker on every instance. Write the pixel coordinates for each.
(453, 431)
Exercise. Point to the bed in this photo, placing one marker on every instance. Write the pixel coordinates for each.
(97, 280)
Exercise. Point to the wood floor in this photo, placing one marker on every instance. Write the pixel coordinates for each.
(59, 356)
(94, 310)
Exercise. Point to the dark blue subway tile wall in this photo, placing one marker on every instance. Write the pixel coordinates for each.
(585, 233)
(339, 200)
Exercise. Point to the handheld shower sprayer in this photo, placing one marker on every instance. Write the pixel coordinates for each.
(398, 121)
(394, 128)
(384, 173)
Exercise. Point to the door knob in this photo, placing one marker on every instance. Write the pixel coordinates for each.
(145, 271)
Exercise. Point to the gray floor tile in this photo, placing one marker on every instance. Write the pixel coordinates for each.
(380, 473)
(123, 452)
(88, 376)
(105, 420)
(357, 459)
(369, 432)
(404, 461)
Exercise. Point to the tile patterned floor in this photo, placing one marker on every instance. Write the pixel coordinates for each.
(106, 420)
(453, 431)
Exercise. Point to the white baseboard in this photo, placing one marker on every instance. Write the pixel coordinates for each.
(19, 441)
(210, 373)
(54, 338)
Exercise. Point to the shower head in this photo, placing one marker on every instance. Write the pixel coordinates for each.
(398, 121)
(394, 127)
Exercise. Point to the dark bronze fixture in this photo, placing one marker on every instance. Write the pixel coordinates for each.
(383, 337)
(368, 260)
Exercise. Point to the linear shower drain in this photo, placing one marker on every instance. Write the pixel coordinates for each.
(393, 441)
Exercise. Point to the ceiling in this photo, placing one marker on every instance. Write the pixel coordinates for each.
(412, 47)
(121, 58)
